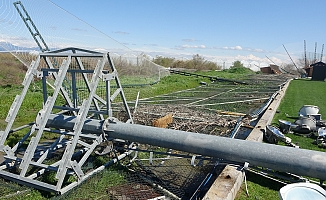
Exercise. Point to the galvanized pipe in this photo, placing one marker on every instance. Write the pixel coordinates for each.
(281, 158)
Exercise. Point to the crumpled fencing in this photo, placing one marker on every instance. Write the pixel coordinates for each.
(160, 172)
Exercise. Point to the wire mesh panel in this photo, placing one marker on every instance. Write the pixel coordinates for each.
(176, 176)
(173, 178)
(224, 96)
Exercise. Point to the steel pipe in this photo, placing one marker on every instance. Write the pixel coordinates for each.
(280, 158)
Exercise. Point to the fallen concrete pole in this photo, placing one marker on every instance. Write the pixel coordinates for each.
(281, 158)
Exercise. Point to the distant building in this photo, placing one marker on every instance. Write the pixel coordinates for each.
(318, 71)
(271, 69)
(309, 71)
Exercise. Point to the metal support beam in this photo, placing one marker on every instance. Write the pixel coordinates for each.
(12, 114)
(281, 158)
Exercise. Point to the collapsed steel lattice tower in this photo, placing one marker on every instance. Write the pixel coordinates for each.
(86, 122)
(82, 79)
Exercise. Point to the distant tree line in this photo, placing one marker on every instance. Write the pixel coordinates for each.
(238, 68)
(135, 66)
(197, 62)
(144, 66)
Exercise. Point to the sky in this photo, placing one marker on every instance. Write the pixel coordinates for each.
(219, 30)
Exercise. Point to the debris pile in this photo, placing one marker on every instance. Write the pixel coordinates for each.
(186, 119)
(307, 123)
(273, 135)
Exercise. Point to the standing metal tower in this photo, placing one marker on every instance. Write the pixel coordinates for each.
(315, 54)
(305, 54)
(321, 55)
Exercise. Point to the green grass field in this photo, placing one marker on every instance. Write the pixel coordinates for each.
(300, 92)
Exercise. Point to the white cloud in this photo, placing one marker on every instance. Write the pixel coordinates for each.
(214, 54)
(100, 49)
(79, 29)
(258, 50)
(121, 32)
(186, 46)
(232, 48)
(250, 57)
(189, 40)
(153, 45)
(238, 47)
(20, 41)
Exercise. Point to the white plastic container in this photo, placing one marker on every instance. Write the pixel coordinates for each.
(302, 191)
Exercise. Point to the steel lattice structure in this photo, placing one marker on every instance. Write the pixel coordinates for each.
(76, 75)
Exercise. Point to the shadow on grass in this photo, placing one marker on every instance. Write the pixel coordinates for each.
(264, 182)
